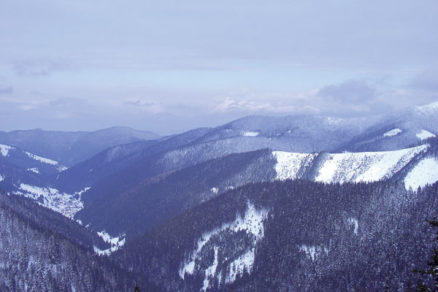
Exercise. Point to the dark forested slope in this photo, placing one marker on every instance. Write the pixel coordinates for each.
(41, 251)
(292, 236)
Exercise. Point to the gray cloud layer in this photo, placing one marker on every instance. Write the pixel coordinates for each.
(174, 65)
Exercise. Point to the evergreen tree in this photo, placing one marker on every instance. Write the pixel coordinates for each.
(430, 275)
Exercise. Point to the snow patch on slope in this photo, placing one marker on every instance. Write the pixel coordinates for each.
(313, 252)
(365, 166)
(211, 270)
(353, 222)
(116, 243)
(240, 265)
(41, 159)
(393, 132)
(250, 134)
(2, 178)
(424, 134)
(66, 204)
(4, 149)
(34, 169)
(424, 173)
(251, 224)
(289, 164)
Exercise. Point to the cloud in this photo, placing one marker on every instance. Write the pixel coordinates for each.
(427, 80)
(37, 67)
(66, 102)
(352, 91)
(145, 105)
(265, 103)
(6, 90)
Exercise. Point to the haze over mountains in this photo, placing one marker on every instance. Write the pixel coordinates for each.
(230, 206)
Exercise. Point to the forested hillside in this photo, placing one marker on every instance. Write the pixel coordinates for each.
(39, 251)
(292, 236)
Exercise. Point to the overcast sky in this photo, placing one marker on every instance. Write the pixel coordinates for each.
(168, 66)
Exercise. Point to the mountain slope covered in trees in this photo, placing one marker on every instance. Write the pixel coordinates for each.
(292, 235)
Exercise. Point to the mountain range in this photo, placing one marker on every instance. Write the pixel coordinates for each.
(267, 203)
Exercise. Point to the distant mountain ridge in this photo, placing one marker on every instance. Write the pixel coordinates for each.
(260, 203)
(70, 148)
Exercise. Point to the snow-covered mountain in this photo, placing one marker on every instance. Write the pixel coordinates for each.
(360, 166)
(398, 131)
(26, 174)
(70, 148)
(200, 210)
(29, 161)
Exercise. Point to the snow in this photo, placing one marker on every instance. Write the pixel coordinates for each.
(313, 252)
(250, 134)
(365, 166)
(34, 169)
(353, 221)
(211, 270)
(240, 265)
(251, 223)
(66, 204)
(393, 132)
(430, 108)
(424, 173)
(424, 134)
(214, 190)
(42, 159)
(2, 178)
(4, 149)
(289, 164)
(62, 168)
(332, 121)
(346, 167)
(116, 243)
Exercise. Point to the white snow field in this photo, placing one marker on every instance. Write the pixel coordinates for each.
(424, 173)
(251, 223)
(347, 167)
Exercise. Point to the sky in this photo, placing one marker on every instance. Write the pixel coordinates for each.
(169, 66)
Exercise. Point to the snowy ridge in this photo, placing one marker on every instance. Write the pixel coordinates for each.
(4, 149)
(346, 167)
(430, 108)
(393, 132)
(424, 134)
(116, 243)
(252, 224)
(424, 173)
(41, 159)
(289, 164)
(66, 204)
(365, 166)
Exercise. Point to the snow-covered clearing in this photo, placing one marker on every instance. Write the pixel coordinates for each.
(393, 132)
(4, 149)
(116, 243)
(66, 204)
(365, 166)
(251, 223)
(424, 134)
(424, 173)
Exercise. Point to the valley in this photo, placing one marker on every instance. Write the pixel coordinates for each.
(231, 207)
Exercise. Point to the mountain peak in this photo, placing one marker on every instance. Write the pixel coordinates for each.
(428, 108)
